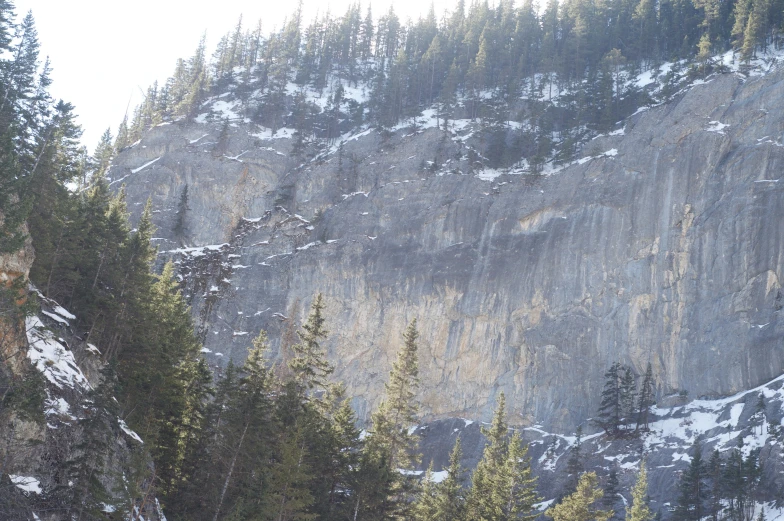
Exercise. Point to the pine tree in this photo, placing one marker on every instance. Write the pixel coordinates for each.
(391, 447)
(611, 407)
(87, 467)
(399, 410)
(503, 486)
(611, 489)
(758, 419)
(123, 138)
(692, 490)
(196, 495)
(344, 446)
(715, 472)
(733, 484)
(104, 153)
(515, 489)
(741, 15)
(165, 381)
(309, 364)
(245, 436)
(425, 507)
(289, 498)
(645, 399)
(477, 74)
(574, 465)
(180, 227)
(704, 52)
(376, 484)
(449, 496)
(579, 506)
(640, 511)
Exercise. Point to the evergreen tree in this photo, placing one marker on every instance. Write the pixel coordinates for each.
(449, 496)
(645, 399)
(242, 443)
(479, 503)
(425, 507)
(692, 490)
(309, 364)
(104, 153)
(619, 398)
(574, 465)
(715, 472)
(391, 446)
(611, 490)
(344, 446)
(733, 484)
(503, 486)
(399, 410)
(640, 511)
(758, 419)
(377, 484)
(579, 506)
(628, 395)
(515, 490)
(123, 138)
(180, 227)
(87, 467)
(611, 407)
(289, 497)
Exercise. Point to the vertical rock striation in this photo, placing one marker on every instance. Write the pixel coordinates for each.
(661, 245)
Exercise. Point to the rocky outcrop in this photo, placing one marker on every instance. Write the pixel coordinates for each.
(662, 245)
(13, 266)
(46, 376)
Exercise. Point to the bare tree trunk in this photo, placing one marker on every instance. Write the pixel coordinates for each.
(231, 470)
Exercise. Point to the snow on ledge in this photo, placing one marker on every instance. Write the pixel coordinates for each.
(49, 356)
(716, 126)
(55, 317)
(127, 430)
(145, 165)
(28, 484)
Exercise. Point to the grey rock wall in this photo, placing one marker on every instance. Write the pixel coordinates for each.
(662, 245)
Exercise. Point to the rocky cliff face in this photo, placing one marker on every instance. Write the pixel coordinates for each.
(12, 339)
(46, 376)
(662, 245)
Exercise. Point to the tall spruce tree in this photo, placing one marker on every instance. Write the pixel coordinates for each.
(289, 497)
(244, 436)
(692, 489)
(449, 495)
(574, 465)
(611, 407)
(309, 363)
(628, 396)
(392, 446)
(479, 504)
(580, 505)
(180, 227)
(398, 412)
(611, 489)
(639, 510)
(715, 472)
(645, 399)
(515, 489)
(424, 507)
(503, 486)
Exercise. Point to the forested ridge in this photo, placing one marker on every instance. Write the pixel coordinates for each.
(501, 65)
(280, 441)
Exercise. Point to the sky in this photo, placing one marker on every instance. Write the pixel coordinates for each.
(104, 53)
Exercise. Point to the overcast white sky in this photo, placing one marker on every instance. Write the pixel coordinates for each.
(103, 51)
